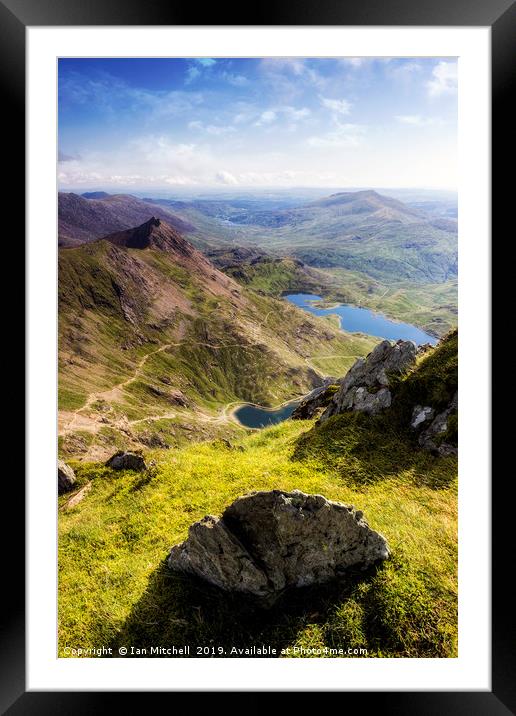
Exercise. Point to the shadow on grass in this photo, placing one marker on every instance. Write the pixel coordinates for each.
(365, 449)
(178, 610)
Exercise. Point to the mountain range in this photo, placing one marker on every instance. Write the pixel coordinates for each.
(154, 341)
(95, 214)
(362, 231)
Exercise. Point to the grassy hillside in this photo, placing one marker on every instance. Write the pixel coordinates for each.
(359, 231)
(275, 276)
(114, 588)
(154, 342)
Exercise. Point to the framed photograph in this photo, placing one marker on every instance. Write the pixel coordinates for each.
(258, 259)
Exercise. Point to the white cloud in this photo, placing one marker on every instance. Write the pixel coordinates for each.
(289, 74)
(295, 114)
(410, 119)
(177, 180)
(417, 120)
(235, 80)
(224, 177)
(192, 73)
(213, 129)
(444, 79)
(205, 61)
(339, 106)
(353, 61)
(404, 72)
(346, 135)
(266, 117)
(291, 114)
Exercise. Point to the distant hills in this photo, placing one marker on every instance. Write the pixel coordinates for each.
(367, 232)
(154, 340)
(363, 231)
(95, 214)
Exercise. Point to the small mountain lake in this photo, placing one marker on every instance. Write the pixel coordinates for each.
(362, 320)
(253, 416)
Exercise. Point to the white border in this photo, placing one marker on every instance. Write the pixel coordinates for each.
(471, 670)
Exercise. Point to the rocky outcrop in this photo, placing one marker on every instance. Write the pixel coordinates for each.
(123, 460)
(366, 386)
(420, 415)
(435, 438)
(177, 397)
(314, 402)
(65, 477)
(266, 542)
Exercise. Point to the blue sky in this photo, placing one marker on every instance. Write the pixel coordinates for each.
(271, 122)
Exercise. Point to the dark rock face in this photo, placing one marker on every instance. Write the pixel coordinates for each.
(315, 401)
(365, 387)
(434, 437)
(266, 542)
(65, 477)
(126, 461)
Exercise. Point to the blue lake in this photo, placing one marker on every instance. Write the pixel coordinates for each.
(363, 320)
(252, 416)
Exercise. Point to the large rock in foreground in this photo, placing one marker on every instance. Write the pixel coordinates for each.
(125, 460)
(365, 387)
(65, 477)
(266, 542)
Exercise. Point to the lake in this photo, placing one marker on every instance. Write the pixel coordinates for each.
(363, 320)
(253, 416)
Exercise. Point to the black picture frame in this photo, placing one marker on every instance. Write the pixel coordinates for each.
(500, 16)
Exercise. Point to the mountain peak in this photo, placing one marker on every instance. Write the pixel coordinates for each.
(152, 233)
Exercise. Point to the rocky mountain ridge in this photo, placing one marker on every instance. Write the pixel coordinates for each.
(418, 388)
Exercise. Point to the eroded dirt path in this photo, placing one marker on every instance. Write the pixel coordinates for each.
(78, 420)
(84, 422)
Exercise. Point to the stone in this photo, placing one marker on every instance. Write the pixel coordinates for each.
(177, 397)
(432, 438)
(421, 414)
(65, 477)
(424, 348)
(123, 460)
(78, 497)
(366, 386)
(315, 401)
(266, 542)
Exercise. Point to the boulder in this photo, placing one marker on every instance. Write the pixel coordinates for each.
(366, 386)
(266, 542)
(177, 397)
(434, 437)
(123, 460)
(65, 477)
(315, 401)
(420, 415)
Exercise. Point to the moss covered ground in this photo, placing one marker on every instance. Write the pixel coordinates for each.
(115, 589)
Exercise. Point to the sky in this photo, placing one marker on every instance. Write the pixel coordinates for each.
(235, 123)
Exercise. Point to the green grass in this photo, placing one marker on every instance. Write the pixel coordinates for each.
(115, 590)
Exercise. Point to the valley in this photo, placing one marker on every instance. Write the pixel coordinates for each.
(192, 350)
(155, 341)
